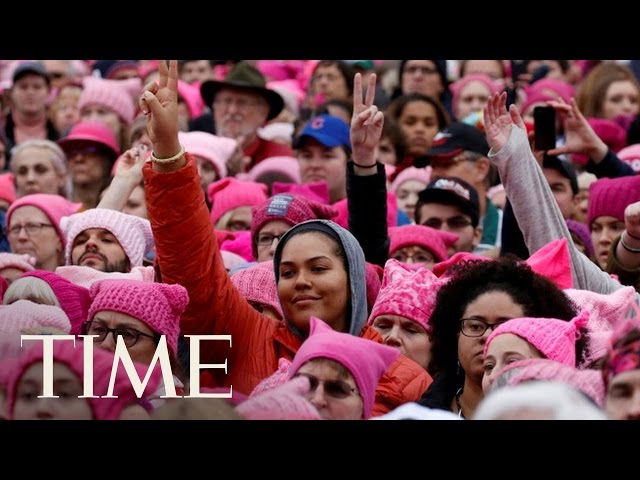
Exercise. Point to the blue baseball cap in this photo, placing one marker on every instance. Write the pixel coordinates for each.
(328, 130)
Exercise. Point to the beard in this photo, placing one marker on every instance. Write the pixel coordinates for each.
(122, 266)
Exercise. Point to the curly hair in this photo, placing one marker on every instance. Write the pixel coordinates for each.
(537, 295)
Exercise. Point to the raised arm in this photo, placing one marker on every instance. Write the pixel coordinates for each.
(366, 179)
(127, 177)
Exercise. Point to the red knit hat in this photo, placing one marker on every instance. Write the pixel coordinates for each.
(555, 339)
(73, 357)
(437, 242)
(74, 299)
(408, 293)
(258, 284)
(364, 359)
(157, 305)
(610, 196)
(229, 193)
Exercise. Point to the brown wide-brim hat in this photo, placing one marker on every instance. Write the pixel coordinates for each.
(246, 77)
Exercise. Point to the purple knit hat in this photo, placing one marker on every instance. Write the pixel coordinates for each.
(435, 241)
(133, 233)
(54, 207)
(112, 94)
(366, 360)
(73, 357)
(157, 305)
(24, 314)
(555, 339)
(258, 284)
(217, 150)
(74, 299)
(408, 293)
(229, 193)
(582, 231)
(610, 197)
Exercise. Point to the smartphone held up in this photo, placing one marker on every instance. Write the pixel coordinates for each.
(544, 121)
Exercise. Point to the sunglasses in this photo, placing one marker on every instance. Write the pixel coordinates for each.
(333, 388)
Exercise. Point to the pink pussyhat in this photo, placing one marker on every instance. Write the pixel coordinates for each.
(22, 262)
(274, 380)
(23, 314)
(607, 311)
(422, 175)
(115, 95)
(73, 357)
(287, 167)
(316, 191)
(441, 269)
(241, 245)
(435, 241)
(373, 281)
(7, 188)
(157, 305)
(407, 293)
(342, 206)
(190, 94)
(458, 86)
(216, 150)
(285, 402)
(96, 132)
(54, 207)
(555, 339)
(258, 284)
(553, 261)
(366, 360)
(610, 197)
(74, 299)
(229, 193)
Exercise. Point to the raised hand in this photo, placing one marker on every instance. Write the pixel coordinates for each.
(498, 122)
(366, 123)
(129, 164)
(159, 102)
(579, 135)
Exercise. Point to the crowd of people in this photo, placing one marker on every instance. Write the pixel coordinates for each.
(377, 239)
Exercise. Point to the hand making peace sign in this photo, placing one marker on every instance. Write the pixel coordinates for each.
(366, 123)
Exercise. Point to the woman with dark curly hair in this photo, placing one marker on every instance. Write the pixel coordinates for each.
(490, 293)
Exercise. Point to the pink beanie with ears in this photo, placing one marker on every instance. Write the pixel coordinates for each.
(54, 207)
(15, 260)
(240, 244)
(610, 197)
(457, 86)
(192, 98)
(554, 338)
(553, 261)
(7, 188)
(257, 283)
(115, 95)
(73, 357)
(407, 293)
(74, 299)
(552, 87)
(133, 233)
(342, 207)
(412, 173)
(216, 150)
(364, 359)
(229, 193)
(24, 314)
(316, 191)
(437, 242)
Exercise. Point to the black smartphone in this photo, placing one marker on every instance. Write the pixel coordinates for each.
(544, 124)
(518, 67)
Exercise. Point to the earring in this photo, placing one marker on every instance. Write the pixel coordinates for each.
(459, 369)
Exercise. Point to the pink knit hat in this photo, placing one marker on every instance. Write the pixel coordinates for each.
(407, 293)
(15, 260)
(74, 299)
(277, 378)
(555, 339)
(610, 196)
(3, 286)
(96, 132)
(437, 242)
(342, 207)
(441, 269)
(276, 69)
(316, 191)
(115, 95)
(285, 402)
(630, 154)
(553, 261)
(373, 281)
(534, 99)
(54, 207)
(588, 382)
(157, 305)
(133, 233)
(240, 245)
(552, 87)
(286, 166)
(7, 188)
(293, 209)
(229, 193)
(87, 276)
(457, 86)
(366, 360)
(607, 311)
(258, 284)
(217, 150)
(192, 99)
(24, 314)
(412, 173)
(73, 357)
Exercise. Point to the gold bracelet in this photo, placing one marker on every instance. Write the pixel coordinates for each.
(162, 161)
(627, 247)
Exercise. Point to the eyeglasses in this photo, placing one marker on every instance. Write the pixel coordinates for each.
(474, 327)
(240, 103)
(129, 335)
(266, 239)
(418, 68)
(454, 223)
(30, 228)
(417, 257)
(333, 388)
